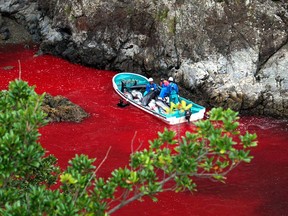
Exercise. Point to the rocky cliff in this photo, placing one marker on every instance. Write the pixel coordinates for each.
(232, 53)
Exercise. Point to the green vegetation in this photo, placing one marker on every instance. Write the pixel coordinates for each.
(162, 14)
(211, 151)
(172, 25)
(68, 9)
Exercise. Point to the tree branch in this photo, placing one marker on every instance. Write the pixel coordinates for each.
(94, 174)
(137, 196)
(20, 71)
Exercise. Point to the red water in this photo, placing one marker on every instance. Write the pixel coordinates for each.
(258, 188)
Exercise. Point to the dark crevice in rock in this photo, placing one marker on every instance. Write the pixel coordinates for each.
(262, 62)
(66, 30)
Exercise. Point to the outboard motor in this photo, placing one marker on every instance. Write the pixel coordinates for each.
(188, 114)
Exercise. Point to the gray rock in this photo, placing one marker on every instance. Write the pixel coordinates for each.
(233, 52)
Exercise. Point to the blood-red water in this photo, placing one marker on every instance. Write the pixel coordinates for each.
(258, 188)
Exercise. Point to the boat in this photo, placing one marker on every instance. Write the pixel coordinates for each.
(131, 87)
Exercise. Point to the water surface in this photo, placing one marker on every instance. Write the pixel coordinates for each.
(258, 188)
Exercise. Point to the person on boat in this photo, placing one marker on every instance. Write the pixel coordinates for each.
(173, 91)
(151, 86)
(165, 90)
(161, 82)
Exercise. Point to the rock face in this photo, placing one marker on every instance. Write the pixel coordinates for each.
(60, 109)
(232, 53)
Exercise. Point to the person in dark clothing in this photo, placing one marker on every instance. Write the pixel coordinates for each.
(161, 82)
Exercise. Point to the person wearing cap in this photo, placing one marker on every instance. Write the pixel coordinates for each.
(173, 91)
(151, 86)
